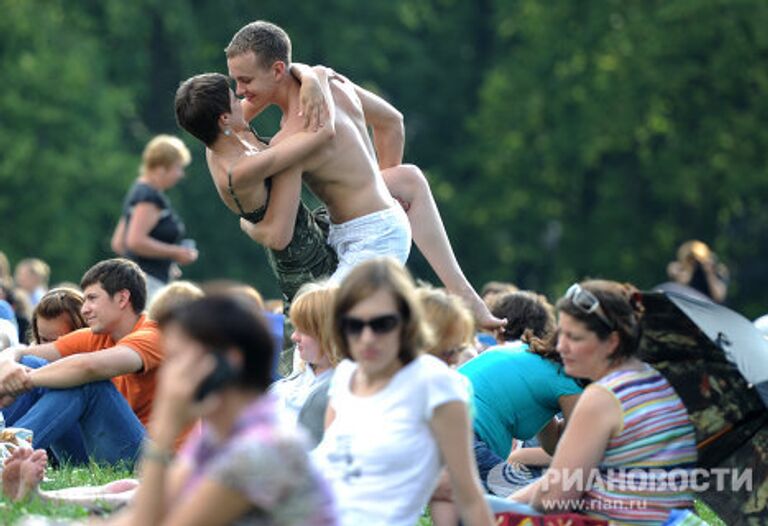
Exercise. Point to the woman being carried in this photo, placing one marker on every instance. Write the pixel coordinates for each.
(298, 251)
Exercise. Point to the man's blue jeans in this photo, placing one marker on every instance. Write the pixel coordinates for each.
(110, 430)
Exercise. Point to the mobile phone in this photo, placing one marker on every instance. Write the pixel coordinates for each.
(222, 375)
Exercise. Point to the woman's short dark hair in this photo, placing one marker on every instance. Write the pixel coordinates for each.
(222, 322)
(621, 305)
(200, 101)
(366, 279)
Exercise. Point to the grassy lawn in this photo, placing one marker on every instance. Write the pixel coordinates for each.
(67, 476)
(703, 511)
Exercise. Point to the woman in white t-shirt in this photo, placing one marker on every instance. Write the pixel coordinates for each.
(395, 415)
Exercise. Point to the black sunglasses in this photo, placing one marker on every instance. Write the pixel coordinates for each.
(379, 325)
(587, 303)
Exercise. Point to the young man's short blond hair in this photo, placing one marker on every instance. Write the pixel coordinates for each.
(165, 151)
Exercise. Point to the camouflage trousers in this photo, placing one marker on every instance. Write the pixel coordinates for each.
(308, 257)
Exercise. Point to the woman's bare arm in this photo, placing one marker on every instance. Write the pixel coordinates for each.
(451, 428)
(118, 238)
(144, 218)
(596, 417)
(275, 230)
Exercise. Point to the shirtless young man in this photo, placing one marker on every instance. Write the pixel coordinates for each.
(365, 220)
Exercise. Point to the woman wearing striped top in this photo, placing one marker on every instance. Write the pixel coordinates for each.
(628, 452)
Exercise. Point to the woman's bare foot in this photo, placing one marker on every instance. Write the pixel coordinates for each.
(12, 472)
(23, 471)
(32, 473)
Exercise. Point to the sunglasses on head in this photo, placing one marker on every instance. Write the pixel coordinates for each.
(587, 303)
(383, 324)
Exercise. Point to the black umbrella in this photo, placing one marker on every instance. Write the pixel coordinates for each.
(697, 345)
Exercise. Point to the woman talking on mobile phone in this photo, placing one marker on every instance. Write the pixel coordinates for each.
(245, 467)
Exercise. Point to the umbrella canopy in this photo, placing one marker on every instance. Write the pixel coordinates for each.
(700, 348)
(742, 343)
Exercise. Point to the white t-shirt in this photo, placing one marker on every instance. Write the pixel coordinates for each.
(9, 332)
(379, 453)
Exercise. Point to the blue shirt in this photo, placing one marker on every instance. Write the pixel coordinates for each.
(516, 393)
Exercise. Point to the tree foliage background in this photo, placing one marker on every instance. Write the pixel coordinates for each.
(562, 139)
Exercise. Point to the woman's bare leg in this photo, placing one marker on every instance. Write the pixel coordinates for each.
(408, 185)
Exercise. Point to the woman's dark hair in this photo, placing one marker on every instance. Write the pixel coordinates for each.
(200, 101)
(621, 305)
(530, 318)
(220, 323)
(57, 302)
(524, 310)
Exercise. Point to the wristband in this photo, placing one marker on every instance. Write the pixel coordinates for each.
(152, 452)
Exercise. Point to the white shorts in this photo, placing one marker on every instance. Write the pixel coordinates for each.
(383, 233)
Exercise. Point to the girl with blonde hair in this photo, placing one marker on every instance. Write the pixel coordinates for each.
(451, 322)
(303, 396)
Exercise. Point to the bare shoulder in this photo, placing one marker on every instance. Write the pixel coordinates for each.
(598, 405)
(214, 163)
(345, 96)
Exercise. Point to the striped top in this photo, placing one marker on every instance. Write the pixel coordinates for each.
(647, 467)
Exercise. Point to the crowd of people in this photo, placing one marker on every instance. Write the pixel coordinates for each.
(380, 417)
(393, 397)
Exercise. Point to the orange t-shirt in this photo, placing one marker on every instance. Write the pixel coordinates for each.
(137, 388)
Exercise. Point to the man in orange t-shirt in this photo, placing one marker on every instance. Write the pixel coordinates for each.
(100, 379)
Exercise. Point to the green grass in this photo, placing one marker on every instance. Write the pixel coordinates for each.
(64, 477)
(703, 511)
(95, 475)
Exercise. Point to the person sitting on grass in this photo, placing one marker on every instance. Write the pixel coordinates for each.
(57, 313)
(519, 387)
(101, 379)
(246, 467)
(303, 396)
(630, 440)
(451, 322)
(396, 415)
